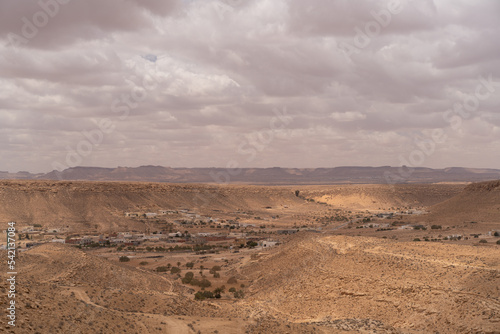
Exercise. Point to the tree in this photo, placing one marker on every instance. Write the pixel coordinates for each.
(188, 277)
(218, 291)
(124, 259)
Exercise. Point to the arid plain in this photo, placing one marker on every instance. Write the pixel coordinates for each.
(135, 257)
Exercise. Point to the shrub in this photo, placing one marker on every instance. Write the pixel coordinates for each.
(175, 270)
(239, 294)
(216, 275)
(190, 264)
(162, 269)
(498, 242)
(143, 263)
(234, 289)
(251, 243)
(214, 269)
(232, 280)
(496, 234)
(436, 227)
(124, 259)
(188, 277)
(482, 241)
(204, 283)
(416, 239)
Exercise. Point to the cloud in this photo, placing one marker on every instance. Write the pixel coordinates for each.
(189, 83)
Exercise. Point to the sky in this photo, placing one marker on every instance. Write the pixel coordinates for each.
(264, 83)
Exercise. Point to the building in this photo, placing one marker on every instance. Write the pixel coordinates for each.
(268, 243)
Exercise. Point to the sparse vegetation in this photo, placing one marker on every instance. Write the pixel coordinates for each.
(124, 259)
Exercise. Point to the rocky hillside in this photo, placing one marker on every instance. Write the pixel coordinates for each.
(101, 205)
(87, 205)
(378, 285)
(383, 197)
(61, 289)
(477, 202)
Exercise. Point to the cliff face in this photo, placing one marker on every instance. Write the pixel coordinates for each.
(102, 205)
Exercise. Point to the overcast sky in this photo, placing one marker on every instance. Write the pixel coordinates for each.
(264, 83)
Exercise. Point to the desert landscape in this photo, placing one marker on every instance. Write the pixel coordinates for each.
(139, 257)
(253, 167)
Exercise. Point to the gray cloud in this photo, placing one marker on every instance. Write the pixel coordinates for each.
(199, 83)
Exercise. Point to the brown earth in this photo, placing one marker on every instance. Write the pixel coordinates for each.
(382, 197)
(478, 202)
(383, 285)
(311, 284)
(86, 205)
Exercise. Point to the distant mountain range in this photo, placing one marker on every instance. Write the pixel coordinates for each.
(276, 175)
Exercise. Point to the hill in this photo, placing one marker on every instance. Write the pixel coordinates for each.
(376, 285)
(61, 289)
(477, 202)
(382, 197)
(102, 205)
(269, 176)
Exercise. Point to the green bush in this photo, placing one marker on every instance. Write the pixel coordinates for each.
(188, 277)
(436, 227)
(162, 269)
(251, 243)
(190, 264)
(496, 234)
(124, 259)
(175, 270)
(202, 295)
(416, 239)
(482, 241)
(498, 242)
(143, 263)
(234, 289)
